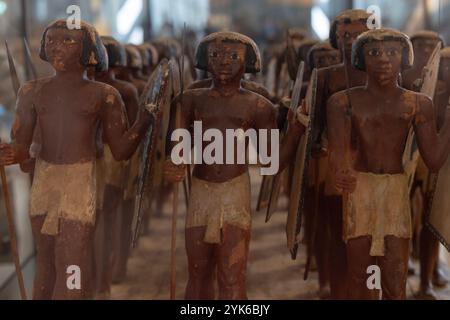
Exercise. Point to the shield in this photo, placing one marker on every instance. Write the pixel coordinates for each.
(154, 94)
(276, 181)
(430, 77)
(438, 218)
(301, 171)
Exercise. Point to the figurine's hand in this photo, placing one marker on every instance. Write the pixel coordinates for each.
(417, 85)
(28, 165)
(294, 124)
(346, 181)
(174, 173)
(7, 155)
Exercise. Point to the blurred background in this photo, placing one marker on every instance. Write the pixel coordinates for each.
(135, 21)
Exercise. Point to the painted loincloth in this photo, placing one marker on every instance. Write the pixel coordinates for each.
(114, 170)
(215, 205)
(379, 207)
(63, 192)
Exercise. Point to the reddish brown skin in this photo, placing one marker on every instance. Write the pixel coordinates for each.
(381, 109)
(331, 80)
(128, 75)
(68, 123)
(225, 105)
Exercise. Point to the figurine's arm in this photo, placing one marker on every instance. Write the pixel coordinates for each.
(183, 104)
(23, 128)
(339, 138)
(122, 142)
(434, 147)
(265, 118)
(131, 100)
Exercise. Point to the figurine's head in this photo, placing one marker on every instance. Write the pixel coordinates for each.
(323, 55)
(68, 49)
(227, 55)
(153, 53)
(304, 48)
(116, 52)
(134, 58)
(444, 67)
(346, 27)
(383, 53)
(297, 34)
(424, 42)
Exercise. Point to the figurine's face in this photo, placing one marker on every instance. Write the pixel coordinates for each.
(423, 48)
(327, 58)
(384, 60)
(347, 33)
(226, 61)
(63, 48)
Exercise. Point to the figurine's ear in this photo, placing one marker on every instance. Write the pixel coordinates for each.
(333, 35)
(42, 53)
(201, 56)
(252, 60)
(358, 59)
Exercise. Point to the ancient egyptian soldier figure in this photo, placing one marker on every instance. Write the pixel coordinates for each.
(108, 222)
(63, 196)
(430, 271)
(218, 222)
(321, 55)
(345, 28)
(368, 129)
(424, 42)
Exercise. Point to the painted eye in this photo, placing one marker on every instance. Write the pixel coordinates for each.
(374, 52)
(234, 56)
(213, 54)
(392, 52)
(69, 41)
(50, 41)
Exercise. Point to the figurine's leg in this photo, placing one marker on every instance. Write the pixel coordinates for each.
(201, 264)
(232, 263)
(74, 249)
(45, 277)
(322, 250)
(338, 255)
(358, 260)
(394, 268)
(123, 241)
(104, 239)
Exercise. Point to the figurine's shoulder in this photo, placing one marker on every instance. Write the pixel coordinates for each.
(334, 70)
(257, 100)
(256, 87)
(341, 99)
(125, 88)
(30, 88)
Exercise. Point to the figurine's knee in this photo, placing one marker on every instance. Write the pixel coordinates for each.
(394, 268)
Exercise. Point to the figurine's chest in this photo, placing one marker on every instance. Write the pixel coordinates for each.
(70, 104)
(223, 112)
(383, 114)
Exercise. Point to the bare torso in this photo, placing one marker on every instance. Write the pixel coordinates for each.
(241, 110)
